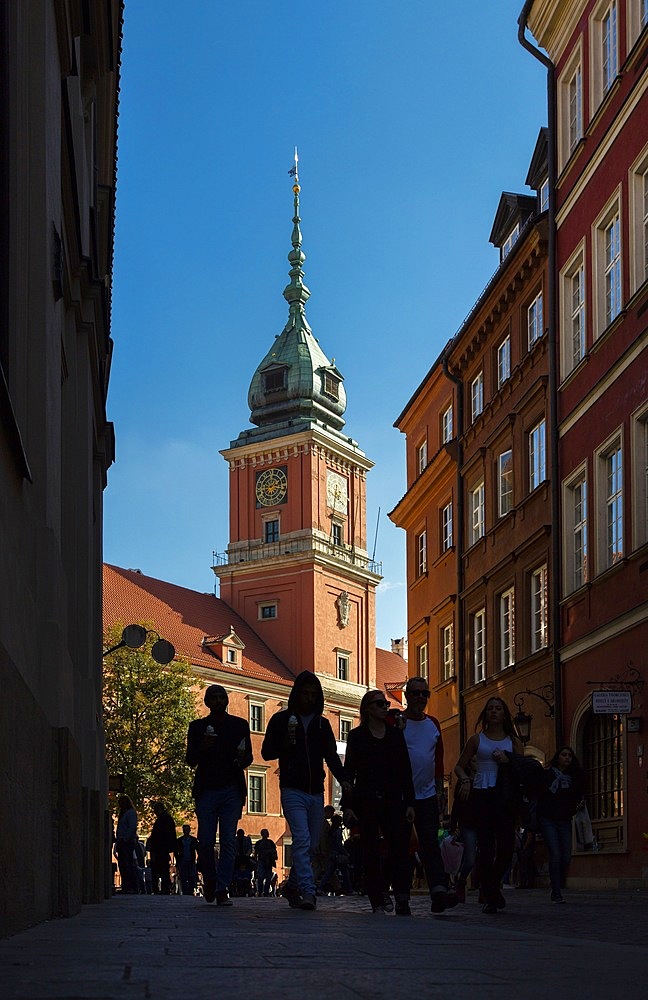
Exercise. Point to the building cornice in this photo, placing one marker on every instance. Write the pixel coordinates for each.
(338, 452)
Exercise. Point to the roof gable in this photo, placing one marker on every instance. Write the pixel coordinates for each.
(187, 618)
(512, 208)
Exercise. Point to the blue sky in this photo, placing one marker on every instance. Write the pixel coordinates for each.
(411, 118)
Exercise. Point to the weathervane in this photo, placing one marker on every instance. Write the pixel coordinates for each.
(294, 172)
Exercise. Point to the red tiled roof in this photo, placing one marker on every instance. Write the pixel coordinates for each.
(391, 669)
(184, 617)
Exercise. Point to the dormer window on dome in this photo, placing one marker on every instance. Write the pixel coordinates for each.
(274, 379)
(331, 385)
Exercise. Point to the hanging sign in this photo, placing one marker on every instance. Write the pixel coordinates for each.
(611, 702)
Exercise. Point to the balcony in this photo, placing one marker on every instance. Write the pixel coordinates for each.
(257, 551)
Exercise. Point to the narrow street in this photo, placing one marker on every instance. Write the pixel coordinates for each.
(595, 946)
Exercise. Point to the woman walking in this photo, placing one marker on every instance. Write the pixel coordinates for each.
(125, 841)
(557, 803)
(381, 800)
(494, 817)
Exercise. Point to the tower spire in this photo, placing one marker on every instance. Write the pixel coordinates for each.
(296, 293)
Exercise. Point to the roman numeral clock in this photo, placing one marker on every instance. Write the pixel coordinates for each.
(271, 487)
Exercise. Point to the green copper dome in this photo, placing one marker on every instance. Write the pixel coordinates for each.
(296, 384)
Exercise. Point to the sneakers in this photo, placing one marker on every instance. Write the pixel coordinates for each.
(378, 909)
(444, 900)
(209, 890)
(388, 904)
(403, 909)
(308, 902)
(489, 908)
(557, 897)
(222, 899)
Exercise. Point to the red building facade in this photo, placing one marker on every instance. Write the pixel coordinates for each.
(600, 83)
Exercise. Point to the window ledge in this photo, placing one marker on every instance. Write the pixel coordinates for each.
(607, 332)
(605, 101)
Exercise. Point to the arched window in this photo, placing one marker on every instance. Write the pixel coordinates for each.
(603, 763)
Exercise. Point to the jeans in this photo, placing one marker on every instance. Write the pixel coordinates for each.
(188, 878)
(160, 872)
(557, 835)
(468, 837)
(426, 823)
(222, 808)
(305, 815)
(263, 877)
(378, 816)
(495, 838)
(125, 851)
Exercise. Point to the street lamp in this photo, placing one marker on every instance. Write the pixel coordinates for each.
(134, 636)
(523, 720)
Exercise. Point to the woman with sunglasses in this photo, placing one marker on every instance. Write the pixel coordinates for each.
(494, 818)
(380, 800)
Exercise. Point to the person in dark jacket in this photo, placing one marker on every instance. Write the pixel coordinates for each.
(302, 739)
(557, 803)
(381, 800)
(160, 844)
(186, 855)
(219, 747)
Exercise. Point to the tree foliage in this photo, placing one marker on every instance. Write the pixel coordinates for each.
(147, 709)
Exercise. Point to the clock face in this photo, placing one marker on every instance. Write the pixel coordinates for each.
(271, 487)
(336, 491)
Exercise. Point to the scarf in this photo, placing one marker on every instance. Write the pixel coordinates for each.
(561, 780)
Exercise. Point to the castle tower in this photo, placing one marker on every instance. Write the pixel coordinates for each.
(297, 566)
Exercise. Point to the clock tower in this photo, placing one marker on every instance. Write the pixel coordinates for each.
(297, 566)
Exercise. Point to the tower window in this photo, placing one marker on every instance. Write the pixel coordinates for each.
(271, 530)
(331, 385)
(342, 667)
(274, 380)
(336, 533)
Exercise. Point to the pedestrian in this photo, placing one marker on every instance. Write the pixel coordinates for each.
(337, 862)
(186, 855)
(557, 803)
(219, 747)
(302, 739)
(462, 825)
(380, 800)
(125, 841)
(243, 846)
(160, 845)
(321, 858)
(424, 741)
(265, 853)
(493, 813)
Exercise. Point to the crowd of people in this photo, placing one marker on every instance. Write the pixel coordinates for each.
(392, 805)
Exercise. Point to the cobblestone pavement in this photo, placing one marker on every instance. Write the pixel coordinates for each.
(132, 947)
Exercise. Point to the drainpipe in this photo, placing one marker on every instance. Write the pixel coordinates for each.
(459, 531)
(553, 371)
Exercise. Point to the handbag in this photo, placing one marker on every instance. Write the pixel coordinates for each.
(583, 828)
(451, 854)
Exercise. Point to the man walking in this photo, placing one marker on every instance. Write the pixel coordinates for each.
(265, 853)
(160, 844)
(186, 855)
(219, 747)
(301, 738)
(425, 746)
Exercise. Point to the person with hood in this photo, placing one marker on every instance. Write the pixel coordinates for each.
(219, 747)
(302, 739)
